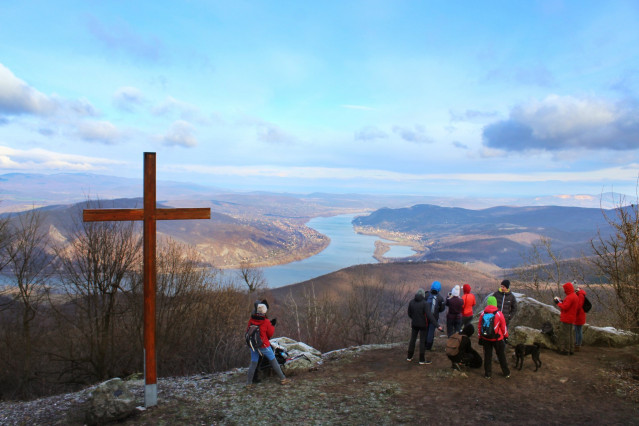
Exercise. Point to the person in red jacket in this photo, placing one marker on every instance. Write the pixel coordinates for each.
(266, 332)
(580, 319)
(568, 317)
(493, 337)
(469, 302)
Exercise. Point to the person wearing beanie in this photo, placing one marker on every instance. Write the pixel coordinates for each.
(506, 301)
(417, 315)
(434, 305)
(469, 302)
(454, 315)
(568, 317)
(267, 329)
(492, 332)
(467, 355)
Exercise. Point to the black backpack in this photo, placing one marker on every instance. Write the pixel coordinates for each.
(587, 306)
(253, 337)
(488, 326)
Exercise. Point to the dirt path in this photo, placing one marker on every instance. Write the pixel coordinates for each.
(378, 386)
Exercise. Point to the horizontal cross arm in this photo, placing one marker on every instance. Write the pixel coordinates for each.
(107, 215)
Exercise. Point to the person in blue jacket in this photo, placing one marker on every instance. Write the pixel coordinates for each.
(435, 304)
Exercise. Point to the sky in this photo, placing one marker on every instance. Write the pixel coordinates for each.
(457, 98)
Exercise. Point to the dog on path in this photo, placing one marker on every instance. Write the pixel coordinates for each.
(522, 350)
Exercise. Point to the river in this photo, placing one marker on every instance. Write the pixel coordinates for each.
(347, 248)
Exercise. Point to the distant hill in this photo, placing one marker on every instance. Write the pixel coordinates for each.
(499, 235)
(413, 274)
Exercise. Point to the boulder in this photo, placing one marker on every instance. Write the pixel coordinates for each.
(110, 401)
(300, 355)
(531, 315)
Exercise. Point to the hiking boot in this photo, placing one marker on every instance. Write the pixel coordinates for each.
(486, 377)
(507, 376)
(285, 381)
(409, 359)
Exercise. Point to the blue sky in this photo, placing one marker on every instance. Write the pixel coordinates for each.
(414, 97)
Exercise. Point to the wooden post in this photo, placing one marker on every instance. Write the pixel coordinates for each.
(149, 214)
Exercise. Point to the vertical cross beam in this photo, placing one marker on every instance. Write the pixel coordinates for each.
(150, 366)
(149, 215)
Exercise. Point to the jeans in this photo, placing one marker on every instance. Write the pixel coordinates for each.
(579, 336)
(270, 356)
(431, 336)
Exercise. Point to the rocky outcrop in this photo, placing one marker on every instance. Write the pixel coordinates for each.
(526, 326)
(110, 401)
(300, 355)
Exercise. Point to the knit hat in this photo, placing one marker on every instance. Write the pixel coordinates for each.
(491, 301)
(455, 291)
(421, 292)
(437, 286)
(466, 288)
(506, 283)
(468, 330)
(261, 308)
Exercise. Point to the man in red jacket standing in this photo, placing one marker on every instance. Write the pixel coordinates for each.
(568, 317)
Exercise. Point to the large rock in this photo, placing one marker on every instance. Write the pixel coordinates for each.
(531, 315)
(301, 356)
(110, 401)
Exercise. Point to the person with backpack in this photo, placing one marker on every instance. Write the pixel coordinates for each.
(459, 349)
(434, 305)
(506, 301)
(454, 315)
(493, 331)
(568, 317)
(417, 315)
(469, 302)
(580, 319)
(260, 345)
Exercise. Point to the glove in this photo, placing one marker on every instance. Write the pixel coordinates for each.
(506, 340)
(556, 300)
(274, 321)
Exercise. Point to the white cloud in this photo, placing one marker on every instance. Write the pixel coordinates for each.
(621, 173)
(44, 160)
(560, 123)
(181, 134)
(98, 131)
(17, 97)
(128, 98)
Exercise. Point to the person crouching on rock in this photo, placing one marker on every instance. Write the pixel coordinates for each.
(266, 332)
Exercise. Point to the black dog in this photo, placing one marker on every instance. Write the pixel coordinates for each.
(522, 350)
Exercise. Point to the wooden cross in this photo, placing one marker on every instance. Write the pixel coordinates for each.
(149, 214)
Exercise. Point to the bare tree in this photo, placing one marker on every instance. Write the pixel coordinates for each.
(253, 278)
(95, 268)
(617, 260)
(29, 261)
(542, 270)
(373, 309)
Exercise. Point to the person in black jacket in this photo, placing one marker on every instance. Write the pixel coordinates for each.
(467, 355)
(506, 301)
(417, 314)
